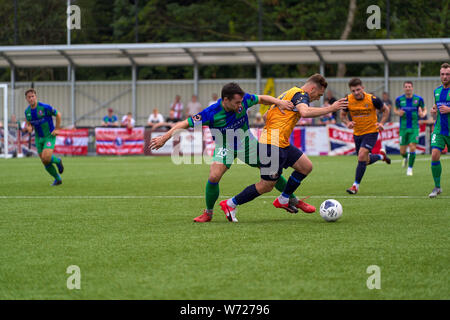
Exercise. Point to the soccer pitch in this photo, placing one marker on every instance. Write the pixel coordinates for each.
(126, 222)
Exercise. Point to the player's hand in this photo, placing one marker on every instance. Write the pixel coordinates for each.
(340, 104)
(157, 142)
(444, 109)
(350, 124)
(433, 110)
(401, 112)
(285, 105)
(55, 132)
(380, 126)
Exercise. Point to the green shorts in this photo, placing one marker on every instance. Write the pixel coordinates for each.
(408, 136)
(439, 141)
(248, 155)
(45, 143)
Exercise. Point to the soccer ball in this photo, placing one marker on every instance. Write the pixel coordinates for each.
(331, 210)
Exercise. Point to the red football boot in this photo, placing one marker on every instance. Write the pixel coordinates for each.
(204, 217)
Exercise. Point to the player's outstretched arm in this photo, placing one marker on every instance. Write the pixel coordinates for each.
(57, 125)
(311, 112)
(282, 104)
(158, 142)
(384, 118)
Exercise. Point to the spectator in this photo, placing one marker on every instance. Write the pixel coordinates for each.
(388, 103)
(168, 124)
(128, 121)
(214, 99)
(331, 99)
(259, 121)
(111, 119)
(155, 118)
(193, 107)
(305, 122)
(327, 118)
(178, 107)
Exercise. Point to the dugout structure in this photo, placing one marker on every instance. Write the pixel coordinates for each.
(196, 54)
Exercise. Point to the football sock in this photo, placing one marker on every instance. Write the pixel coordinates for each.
(436, 170)
(211, 195)
(293, 183)
(281, 184)
(52, 171)
(232, 202)
(55, 160)
(375, 158)
(247, 195)
(412, 158)
(405, 155)
(360, 169)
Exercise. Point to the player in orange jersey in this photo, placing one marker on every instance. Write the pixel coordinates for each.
(276, 152)
(362, 108)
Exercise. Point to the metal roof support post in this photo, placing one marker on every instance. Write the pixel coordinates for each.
(72, 94)
(258, 70)
(13, 87)
(196, 78)
(5, 125)
(321, 67)
(133, 90)
(258, 77)
(386, 68)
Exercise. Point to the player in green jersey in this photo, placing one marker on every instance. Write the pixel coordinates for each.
(441, 133)
(39, 116)
(409, 107)
(229, 116)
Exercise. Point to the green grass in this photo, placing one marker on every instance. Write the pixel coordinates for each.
(127, 223)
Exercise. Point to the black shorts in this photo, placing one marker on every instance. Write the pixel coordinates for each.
(366, 141)
(274, 159)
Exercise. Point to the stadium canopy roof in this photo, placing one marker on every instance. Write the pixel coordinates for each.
(225, 53)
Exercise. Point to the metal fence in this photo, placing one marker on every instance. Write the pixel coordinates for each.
(93, 98)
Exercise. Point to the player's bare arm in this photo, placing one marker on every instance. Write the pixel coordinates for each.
(345, 120)
(399, 112)
(384, 118)
(422, 112)
(158, 142)
(281, 104)
(433, 110)
(444, 109)
(311, 112)
(57, 125)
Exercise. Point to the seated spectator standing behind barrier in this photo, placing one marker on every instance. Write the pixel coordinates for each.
(327, 118)
(388, 104)
(155, 118)
(111, 119)
(178, 107)
(193, 107)
(168, 124)
(128, 122)
(331, 99)
(259, 121)
(214, 98)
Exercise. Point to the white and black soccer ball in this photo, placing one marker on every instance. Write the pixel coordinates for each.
(331, 210)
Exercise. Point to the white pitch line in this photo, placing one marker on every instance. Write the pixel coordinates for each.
(201, 197)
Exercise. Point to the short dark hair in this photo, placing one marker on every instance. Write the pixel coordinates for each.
(30, 90)
(445, 65)
(410, 82)
(318, 79)
(230, 89)
(355, 82)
